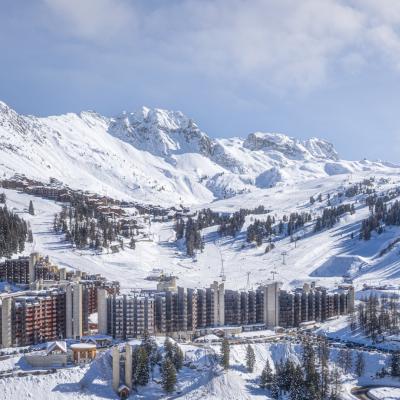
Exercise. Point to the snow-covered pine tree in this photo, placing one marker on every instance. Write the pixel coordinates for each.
(345, 360)
(395, 364)
(297, 387)
(335, 385)
(142, 369)
(225, 350)
(177, 357)
(312, 379)
(348, 364)
(168, 348)
(266, 376)
(360, 363)
(250, 358)
(168, 375)
(275, 391)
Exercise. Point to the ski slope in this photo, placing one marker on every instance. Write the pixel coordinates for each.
(324, 257)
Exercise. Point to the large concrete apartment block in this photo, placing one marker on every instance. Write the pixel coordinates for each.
(33, 259)
(115, 368)
(126, 316)
(6, 328)
(271, 304)
(102, 311)
(218, 293)
(74, 320)
(128, 365)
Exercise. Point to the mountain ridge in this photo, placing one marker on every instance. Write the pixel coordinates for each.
(161, 156)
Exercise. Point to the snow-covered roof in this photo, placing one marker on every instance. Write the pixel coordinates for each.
(58, 345)
(208, 338)
(83, 346)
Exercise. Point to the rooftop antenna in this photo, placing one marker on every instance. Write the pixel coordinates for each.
(284, 254)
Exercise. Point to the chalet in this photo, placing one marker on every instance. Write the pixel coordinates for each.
(55, 355)
(123, 392)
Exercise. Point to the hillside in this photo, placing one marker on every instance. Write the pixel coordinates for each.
(325, 256)
(161, 156)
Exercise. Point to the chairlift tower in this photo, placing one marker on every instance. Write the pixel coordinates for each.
(284, 254)
(248, 280)
(273, 274)
(222, 273)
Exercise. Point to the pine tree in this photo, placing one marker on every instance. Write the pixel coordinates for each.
(360, 363)
(348, 361)
(266, 376)
(168, 375)
(275, 391)
(142, 369)
(250, 358)
(31, 209)
(395, 364)
(335, 385)
(168, 348)
(296, 391)
(345, 360)
(13, 233)
(225, 350)
(311, 375)
(177, 357)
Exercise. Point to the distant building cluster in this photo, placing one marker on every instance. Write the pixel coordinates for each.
(54, 304)
(107, 206)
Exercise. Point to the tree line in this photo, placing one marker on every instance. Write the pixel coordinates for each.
(314, 377)
(14, 232)
(147, 355)
(229, 225)
(382, 214)
(376, 316)
(259, 231)
(85, 227)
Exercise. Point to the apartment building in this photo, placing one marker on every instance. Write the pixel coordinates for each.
(125, 316)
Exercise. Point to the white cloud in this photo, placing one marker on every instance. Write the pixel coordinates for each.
(276, 44)
(95, 20)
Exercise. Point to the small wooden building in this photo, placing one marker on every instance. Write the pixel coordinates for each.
(83, 352)
(123, 392)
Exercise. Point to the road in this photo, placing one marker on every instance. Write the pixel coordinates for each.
(362, 393)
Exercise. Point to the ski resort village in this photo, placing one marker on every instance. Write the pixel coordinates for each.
(142, 259)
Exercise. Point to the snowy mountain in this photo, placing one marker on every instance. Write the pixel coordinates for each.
(160, 156)
(163, 156)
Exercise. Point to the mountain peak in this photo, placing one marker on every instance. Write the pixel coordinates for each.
(160, 132)
(290, 147)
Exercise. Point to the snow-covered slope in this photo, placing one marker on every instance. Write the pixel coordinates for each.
(159, 156)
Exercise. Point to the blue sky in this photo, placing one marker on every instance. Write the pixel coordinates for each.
(325, 68)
